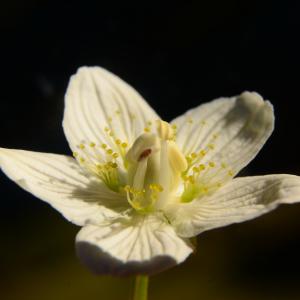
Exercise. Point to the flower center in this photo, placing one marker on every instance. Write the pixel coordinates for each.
(155, 165)
(154, 172)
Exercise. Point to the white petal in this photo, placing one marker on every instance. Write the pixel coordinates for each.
(236, 127)
(58, 180)
(97, 99)
(142, 245)
(239, 200)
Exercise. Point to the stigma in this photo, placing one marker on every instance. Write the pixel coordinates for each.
(155, 168)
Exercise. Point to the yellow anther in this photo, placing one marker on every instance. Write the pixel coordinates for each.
(109, 151)
(75, 154)
(147, 129)
(203, 122)
(118, 112)
(196, 169)
(124, 145)
(106, 129)
(92, 144)
(149, 123)
(202, 153)
(118, 142)
(211, 164)
(114, 165)
(115, 155)
(201, 167)
(160, 188)
(211, 146)
(174, 126)
(103, 146)
(184, 177)
(98, 166)
(193, 155)
(155, 187)
(191, 179)
(219, 184)
(81, 146)
(81, 159)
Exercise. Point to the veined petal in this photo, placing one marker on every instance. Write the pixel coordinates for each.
(59, 181)
(100, 108)
(138, 245)
(239, 200)
(227, 131)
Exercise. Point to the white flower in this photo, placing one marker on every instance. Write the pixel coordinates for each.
(141, 187)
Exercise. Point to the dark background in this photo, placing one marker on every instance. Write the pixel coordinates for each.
(177, 55)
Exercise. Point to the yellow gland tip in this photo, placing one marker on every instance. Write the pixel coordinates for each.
(211, 164)
(109, 151)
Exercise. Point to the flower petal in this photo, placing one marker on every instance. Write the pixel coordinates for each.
(139, 245)
(229, 130)
(239, 200)
(58, 180)
(102, 108)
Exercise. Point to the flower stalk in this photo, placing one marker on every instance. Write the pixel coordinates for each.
(141, 287)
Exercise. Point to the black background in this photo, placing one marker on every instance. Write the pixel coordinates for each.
(177, 55)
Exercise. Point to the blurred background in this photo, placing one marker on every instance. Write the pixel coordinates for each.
(177, 56)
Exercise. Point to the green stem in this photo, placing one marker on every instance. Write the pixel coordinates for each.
(141, 287)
